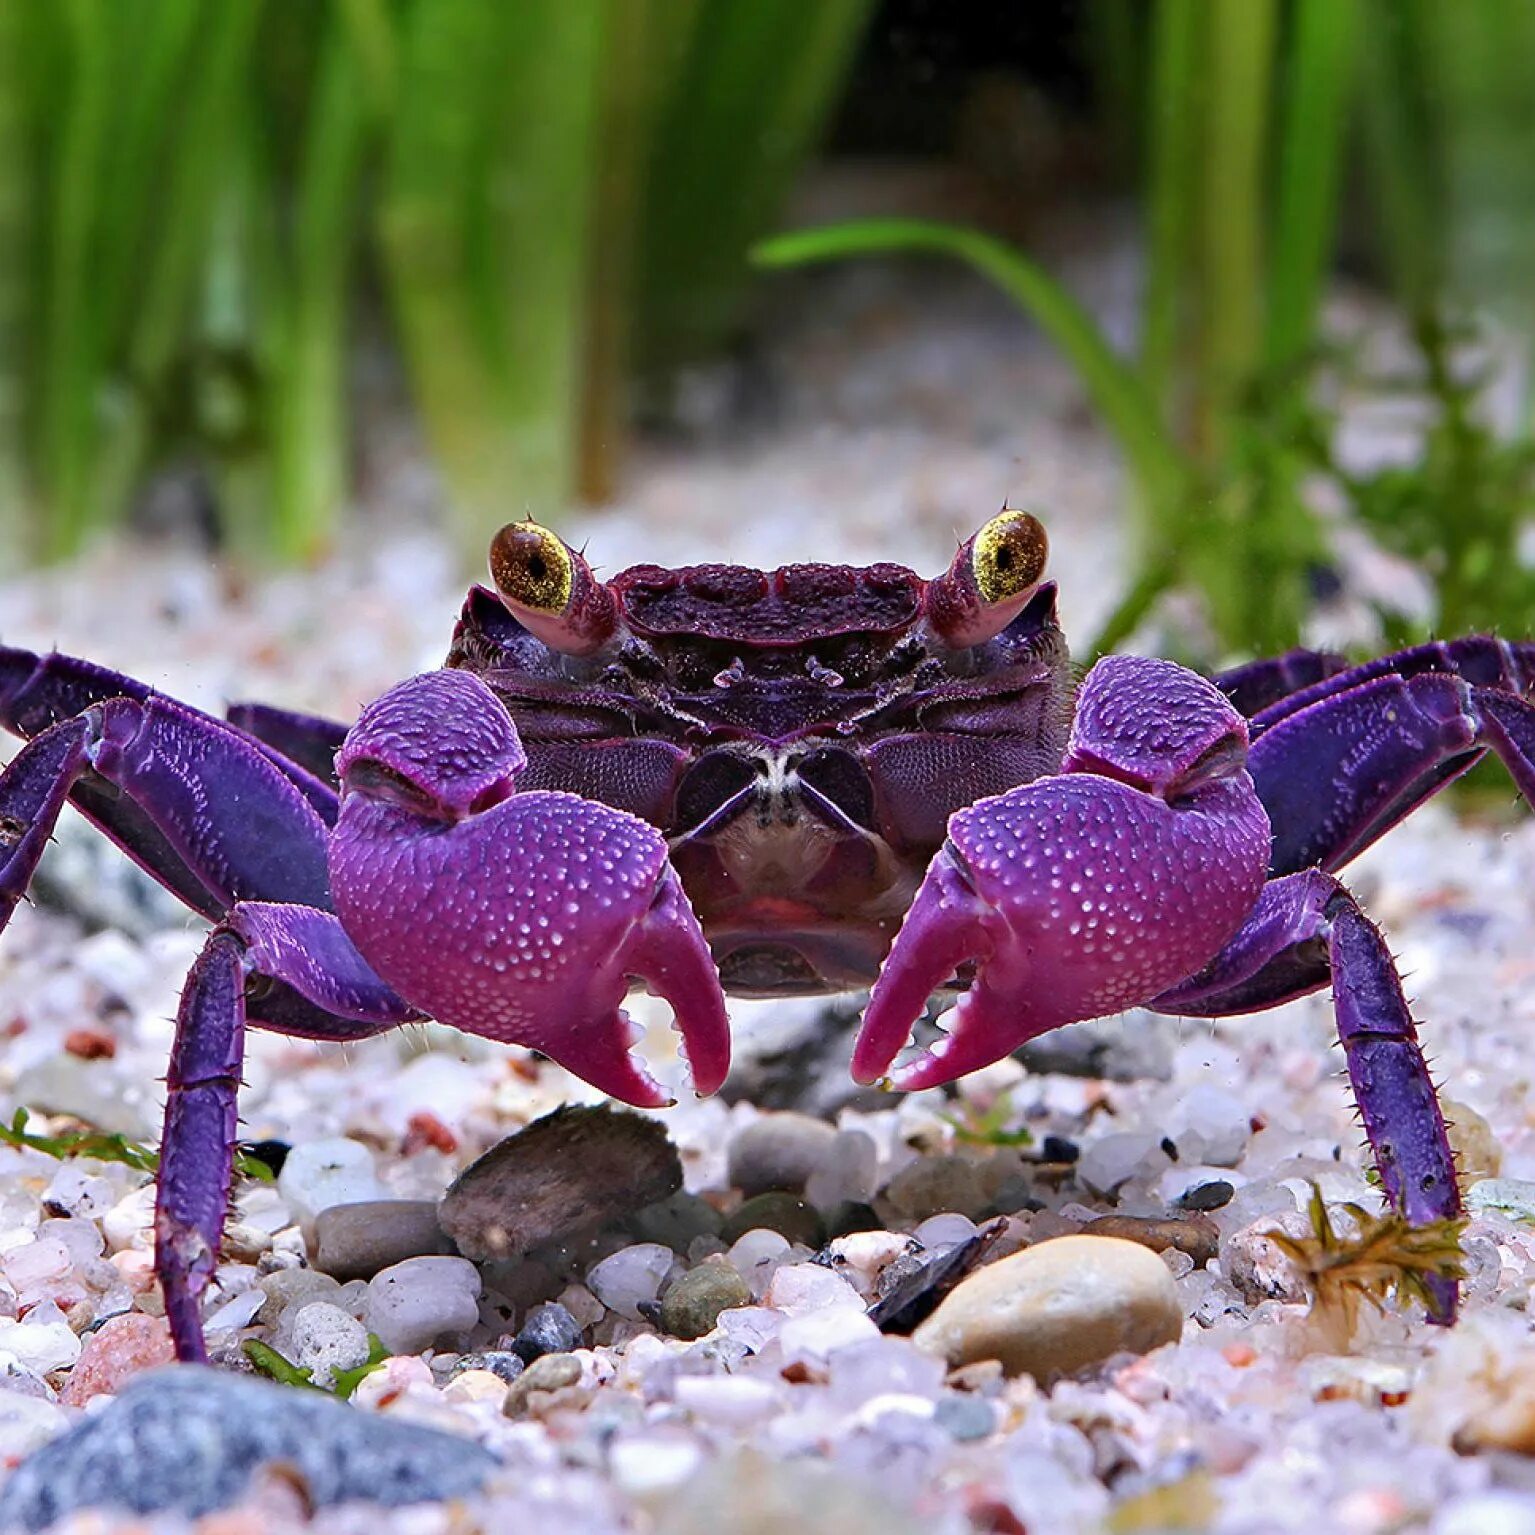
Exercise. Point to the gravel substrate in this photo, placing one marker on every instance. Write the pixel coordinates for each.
(697, 1366)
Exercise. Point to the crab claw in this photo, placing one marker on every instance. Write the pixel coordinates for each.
(519, 917)
(1073, 896)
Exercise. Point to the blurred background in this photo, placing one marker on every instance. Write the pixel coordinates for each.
(1239, 289)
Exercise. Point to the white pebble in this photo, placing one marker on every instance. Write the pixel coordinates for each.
(1208, 1124)
(40, 1346)
(945, 1230)
(412, 1304)
(755, 1256)
(631, 1276)
(1115, 1159)
(654, 1462)
(80, 1191)
(325, 1339)
(800, 1288)
(319, 1174)
(130, 1222)
(27, 1422)
(815, 1337)
(727, 1401)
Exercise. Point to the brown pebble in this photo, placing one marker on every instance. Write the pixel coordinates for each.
(117, 1350)
(1196, 1235)
(573, 1169)
(547, 1375)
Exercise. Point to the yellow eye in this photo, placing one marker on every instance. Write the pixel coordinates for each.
(531, 567)
(1009, 555)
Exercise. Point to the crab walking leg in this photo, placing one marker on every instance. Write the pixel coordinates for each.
(1308, 930)
(39, 691)
(523, 917)
(191, 800)
(306, 739)
(206, 811)
(1260, 684)
(308, 952)
(1338, 773)
(1083, 893)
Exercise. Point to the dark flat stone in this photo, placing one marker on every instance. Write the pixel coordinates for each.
(188, 1438)
(573, 1169)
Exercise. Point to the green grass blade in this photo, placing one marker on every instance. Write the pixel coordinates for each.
(1318, 87)
(1113, 385)
(752, 96)
(1233, 212)
(309, 426)
(18, 268)
(1172, 181)
(70, 375)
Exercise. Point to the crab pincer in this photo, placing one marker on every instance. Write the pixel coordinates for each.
(525, 917)
(1085, 892)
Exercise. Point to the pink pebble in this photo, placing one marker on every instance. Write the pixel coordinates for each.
(118, 1349)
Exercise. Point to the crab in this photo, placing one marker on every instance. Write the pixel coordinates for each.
(717, 779)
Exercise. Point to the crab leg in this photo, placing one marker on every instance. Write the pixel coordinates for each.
(306, 739)
(524, 917)
(1259, 684)
(1305, 931)
(1083, 893)
(1337, 773)
(188, 798)
(329, 994)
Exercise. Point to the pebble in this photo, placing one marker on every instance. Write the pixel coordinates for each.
(319, 1174)
(323, 1339)
(355, 1241)
(691, 1307)
(40, 1346)
(137, 1454)
(727, 1401)
(1209, 1124)
(285, 1288)
(116, 1351)
(1057, 1307)
(1115, 1159)
(964, 1416)
(848, 1174)
(579, 1167)
(936, 1185)
(1196, 1235)
(1258, 1267)
(547, 1329)
(786, 1214)
(1214, 1195)
(631, 1277)
(1478, 1151)
(1506, 1196)
(779, 1151)
(678, 1221)
(554, 1372)
(798, 1288)
(413, 1304)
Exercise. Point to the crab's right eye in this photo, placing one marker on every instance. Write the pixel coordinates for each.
(1008, 555)
(991, 579)
(531, 568)
(550, 589)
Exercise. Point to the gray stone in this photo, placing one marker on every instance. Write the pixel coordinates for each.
(356, 1241)
(964, 1416)
(188, 1438)
(779, 1151)
(547, 1329)
(784, 1213)
(692, 1306)
(576, 1168)
(678, 1221)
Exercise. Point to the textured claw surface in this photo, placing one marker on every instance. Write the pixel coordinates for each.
(526, 921)
(1085, 893)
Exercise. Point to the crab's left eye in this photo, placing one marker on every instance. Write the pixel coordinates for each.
(531, 568)
(1008, 556)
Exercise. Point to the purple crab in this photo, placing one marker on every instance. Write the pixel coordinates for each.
(718, 779)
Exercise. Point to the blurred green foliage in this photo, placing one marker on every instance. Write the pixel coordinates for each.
(1247, 108)
(201, 200)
